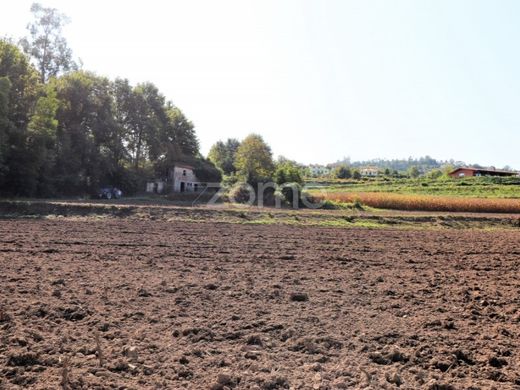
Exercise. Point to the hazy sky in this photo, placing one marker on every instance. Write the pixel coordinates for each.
(318, 79)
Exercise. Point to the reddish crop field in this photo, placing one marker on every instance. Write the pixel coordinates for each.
(123, 304)
(418, 202)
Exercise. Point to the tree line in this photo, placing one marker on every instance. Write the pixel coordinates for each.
(249, 163)
(67, 131)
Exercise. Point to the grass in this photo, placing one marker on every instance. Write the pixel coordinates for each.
(475, 187)
(475, 194)
(350, 217)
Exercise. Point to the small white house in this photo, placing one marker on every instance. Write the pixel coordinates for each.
(369, 171)
(181, 178)
(319, 170)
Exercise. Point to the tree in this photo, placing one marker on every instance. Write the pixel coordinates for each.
(5, 86)
(46, 44)
(342, 172)
(20, 91)
(435, 173)
(126, 116)
(184, 132)
(41, 139)
(414, 172)
(85, 124)
(70, 133)
(356, 174)
(287, 172)
(223, 155)
(447, 169)
(254, 160)
(24, 86)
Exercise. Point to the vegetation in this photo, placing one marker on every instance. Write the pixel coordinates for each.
(45, 44)
(475, 187)
(423, 164)
(223, 155)
(247, 164)
(254, 160)
(342, 172)
(416, 202)
(287, 172)
(67, 132)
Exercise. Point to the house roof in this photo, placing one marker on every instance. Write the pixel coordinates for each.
(484, 170)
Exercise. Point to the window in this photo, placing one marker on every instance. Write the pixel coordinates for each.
(184, 172)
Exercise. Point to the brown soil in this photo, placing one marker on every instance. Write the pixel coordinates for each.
(178, 211)
(228, 306)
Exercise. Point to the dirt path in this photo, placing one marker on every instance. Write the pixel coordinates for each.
(214, 306)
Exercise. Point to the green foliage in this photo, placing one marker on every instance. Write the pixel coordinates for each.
(41, 139)
(223, 155)
(414, 172)
(25, 86)
(254, 160)
(435, 174)
(291, 193)
(424, 164)
(356, 174)
(287, 172)
(46, 44)
(5, 87)
(342, 172)
(241, 193)
(206, 171)
(80, 131)
(20, 91)
(474, 187)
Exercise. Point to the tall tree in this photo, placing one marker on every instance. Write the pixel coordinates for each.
(178, 141)
(85, 121)
(41, 139)
(185, 132)
(21, 88)
(5, 86)
(254, 160)
(45, 42)
(223, 155)
(287, 172)
(25, 88)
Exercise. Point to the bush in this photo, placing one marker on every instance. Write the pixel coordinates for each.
(241, 193)
(290, 191)
(342, 172)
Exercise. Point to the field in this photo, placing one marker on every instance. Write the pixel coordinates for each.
(395, 201)
(136, 301)
(471, 187)
(488, 195)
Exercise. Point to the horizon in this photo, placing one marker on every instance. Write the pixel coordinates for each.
(318, 82)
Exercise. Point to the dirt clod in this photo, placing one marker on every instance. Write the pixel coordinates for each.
(299, 297)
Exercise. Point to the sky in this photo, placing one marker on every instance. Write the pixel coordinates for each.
(319, 80)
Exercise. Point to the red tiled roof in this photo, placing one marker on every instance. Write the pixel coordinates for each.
(484, 170)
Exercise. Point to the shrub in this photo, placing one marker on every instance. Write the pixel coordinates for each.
(290, 191)
(241, 193)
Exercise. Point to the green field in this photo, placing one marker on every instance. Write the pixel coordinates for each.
(475, 187)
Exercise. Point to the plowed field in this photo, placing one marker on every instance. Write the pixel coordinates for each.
(122, 304)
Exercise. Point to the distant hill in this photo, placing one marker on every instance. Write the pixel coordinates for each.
(424, 164)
